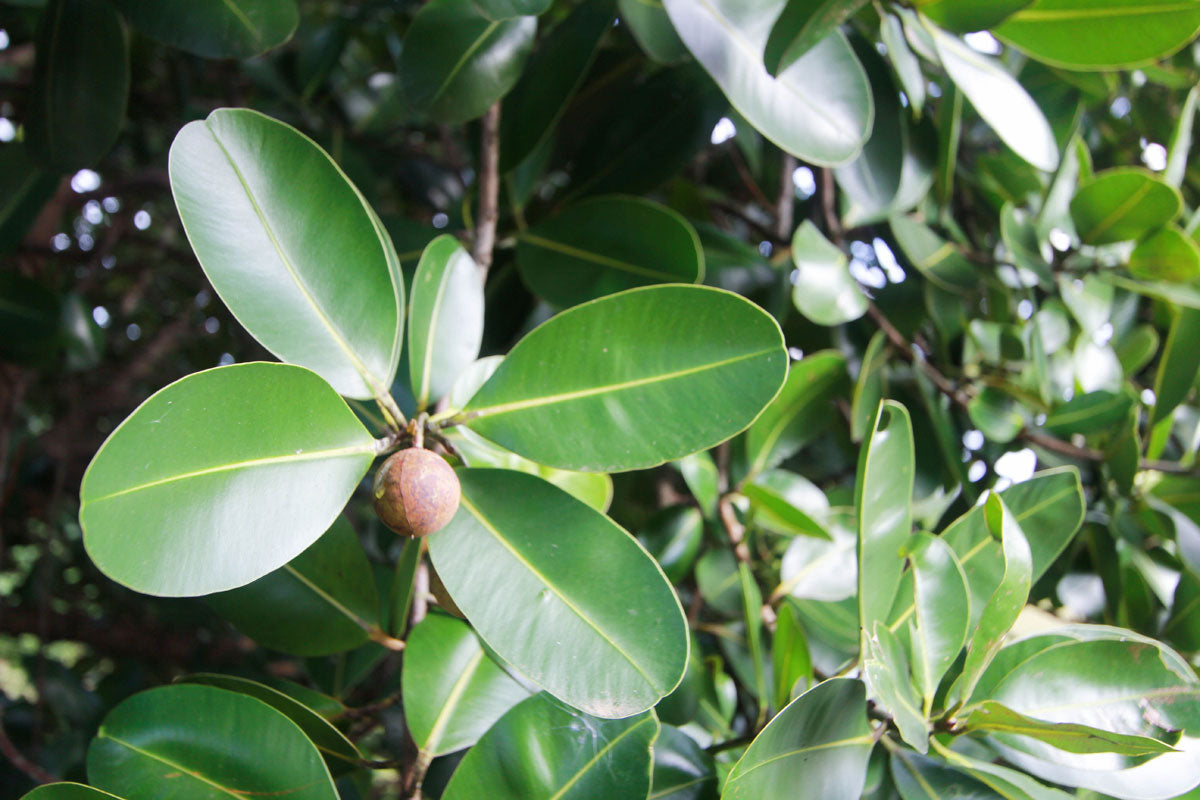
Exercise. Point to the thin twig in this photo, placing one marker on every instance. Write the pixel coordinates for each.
(10, 751)
(489, 190)
(737, 533)
(785, 206)
(833, 226)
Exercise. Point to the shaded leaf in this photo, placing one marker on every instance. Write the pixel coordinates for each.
(1122, 203)
(215, 28)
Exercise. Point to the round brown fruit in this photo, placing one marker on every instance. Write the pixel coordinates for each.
(416, 492)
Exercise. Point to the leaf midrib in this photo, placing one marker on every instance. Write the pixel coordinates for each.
(338, 338)
(466, 56)
(1070, 14)
(172, 764)
(596, 758)
(854, 740)
(597, 258)
(479, 517)
(1118, 213)
(579, 394)
(313, 455)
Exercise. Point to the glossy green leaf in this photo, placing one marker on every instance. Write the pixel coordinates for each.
(903, 60)
(818, 109)
(824, 290)
(453, 691)
(699, 472)
(651, 28)
(1179, 364)
(339, 753)
(938, 260)
(1166, 255)
(197, 742)
(800, 26)
(1110, 679)
(674, 536)
(821, 569)
(1078, 34)
(775, 510)
(606, 244)
(323, 601)
(883, 500)
(1019, 232)
(996, 414)
(1050, 505)
(1181, 140)
(1089, 413)
(942, 606)
(242, 466)
(278, 258)
(457, 62)
(445, 323)
(506, 9)
(619, 366)
(919, 777)
(815, 748)
(994, 718)
(871, 182)
(215, 28)
(80, 84)
(554, 73)
(800, 413)
(1002, 102)
(885, 668)
(1006, 602)
(1122, 203)
(718, 581)
(869, 386)
(964, 16)
(543, 750)
(752, 606)
(682, 770)
(610, 640)
(791, 662)
(66, 791)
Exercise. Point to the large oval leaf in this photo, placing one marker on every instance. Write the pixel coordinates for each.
(824, 290)
(220, 478)
(1115, 682)
(555, 71)
(215, 28)
(323, 601)
(1081, 34)
(453, 691)
(1180, 363)
(340, 754)
(80, 83)
(816, 748)
(1121, 204)
(542, 750)
(445, 325)
(649, 374)
(883, 499)
(1000, 100)
(607, 244)
(457, 62)
(818, 109)
(194, 742)
(682, 770)
(610, 640)
(964, 16)
(313, 287)
(943, 612)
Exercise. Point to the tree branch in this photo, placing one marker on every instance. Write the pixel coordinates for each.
(10, 751)
(489, 190)
(785, 206)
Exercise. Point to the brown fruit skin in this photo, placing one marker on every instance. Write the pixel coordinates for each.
(415, 492)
